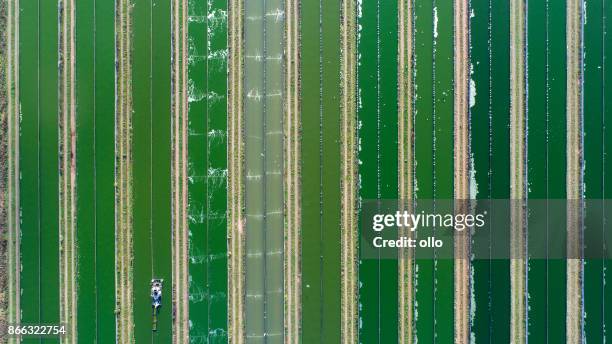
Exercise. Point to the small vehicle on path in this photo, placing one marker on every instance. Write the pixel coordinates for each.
(156, 298)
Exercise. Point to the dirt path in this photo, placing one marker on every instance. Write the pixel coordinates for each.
(574, 318)
(350, 315)
(292, 168)
(461, 170)
(518, 273)
(406, 168)
(235, 193)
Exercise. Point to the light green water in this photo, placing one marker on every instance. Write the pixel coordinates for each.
(151, 165)
(39, 193)
(264, 24)
(320, 171)
(95, 168)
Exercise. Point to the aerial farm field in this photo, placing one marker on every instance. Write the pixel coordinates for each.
(197, 171)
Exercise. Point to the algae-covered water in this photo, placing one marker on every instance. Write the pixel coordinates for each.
(151, 165)
(207, 169)
(378, 164)
(320, 171)
(39, 168)
(263, 111)
(490, 120)
(95, 170)
(320, 113)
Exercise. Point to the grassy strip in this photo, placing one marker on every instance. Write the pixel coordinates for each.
(406, 164)
(235, 191)
(574, 316)
(349, 289)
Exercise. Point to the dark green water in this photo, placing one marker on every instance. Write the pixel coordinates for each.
(39, 193)
(320, 116)
(434, 159)
(312, 306)
(607, 165)
(490, 119)
(378, 169)
(556, 79)
(443, 155)
(594, 161)
(537, 163)
(480, 110)
(424, 315)
(95, 98)
(207, 25)
(151, 165)
(500, 161)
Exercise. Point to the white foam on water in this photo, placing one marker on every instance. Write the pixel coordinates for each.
(193, 93)
(473, 183)
(435, 12)
(472, 87)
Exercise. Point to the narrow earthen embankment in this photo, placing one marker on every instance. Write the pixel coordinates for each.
(123, 177)
(406, 167)
(349, 235)
(461, 170)
(10, 308)
(67, 207)
(574, 314)
(4, 180)
(235, 189)
(518, 272)
(180, 230)
(292, 176)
